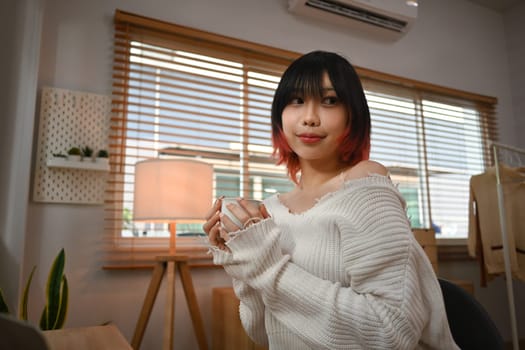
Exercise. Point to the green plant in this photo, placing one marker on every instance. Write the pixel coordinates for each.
(74, 151)
(87, 151)
(103, 154)
(57, 295)
(59, 155)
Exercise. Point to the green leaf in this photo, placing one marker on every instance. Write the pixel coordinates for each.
(3, 305)
(64, 296)
(54, 282)
(43, 320)
(25, 296)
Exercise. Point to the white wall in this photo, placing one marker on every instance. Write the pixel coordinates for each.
(453, 43)
(515, 33)
(20, 27)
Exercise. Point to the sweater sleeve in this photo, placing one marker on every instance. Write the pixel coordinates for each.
(251, 306)
(381, 308)
(251, 312)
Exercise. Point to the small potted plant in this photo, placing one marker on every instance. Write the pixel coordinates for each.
(60, 155)
(102, 156)
(75, 154)
(87, 152)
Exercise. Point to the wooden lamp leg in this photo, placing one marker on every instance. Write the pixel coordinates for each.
(171, 263)
(149, 300)
(169, 320)
(193, 306)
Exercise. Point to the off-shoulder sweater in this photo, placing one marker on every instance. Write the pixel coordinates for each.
(345, 274)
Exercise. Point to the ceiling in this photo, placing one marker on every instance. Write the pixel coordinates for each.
(497, 5)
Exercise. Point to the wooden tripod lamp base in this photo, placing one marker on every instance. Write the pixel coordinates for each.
(171, 263)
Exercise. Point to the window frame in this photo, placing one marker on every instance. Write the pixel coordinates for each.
(126, 251)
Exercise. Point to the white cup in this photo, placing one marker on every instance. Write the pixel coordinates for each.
(225, 211)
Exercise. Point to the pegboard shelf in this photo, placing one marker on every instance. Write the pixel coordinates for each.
(75, 164)
(71, 118)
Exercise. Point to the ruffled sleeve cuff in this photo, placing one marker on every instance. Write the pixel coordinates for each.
(220, 257)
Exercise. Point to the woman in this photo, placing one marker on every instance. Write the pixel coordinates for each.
(332, 264)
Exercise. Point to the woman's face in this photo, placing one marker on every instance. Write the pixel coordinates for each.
(313, 126)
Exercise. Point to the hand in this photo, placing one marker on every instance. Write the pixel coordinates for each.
(218, 225)
(241, 213)
(212, 225)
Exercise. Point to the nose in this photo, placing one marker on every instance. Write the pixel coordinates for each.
(311, 114)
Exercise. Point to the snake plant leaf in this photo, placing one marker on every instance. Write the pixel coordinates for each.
(54, 282)
(46, 322)
(43, 320)
(3, 305)
(64, 296)
(25, 296)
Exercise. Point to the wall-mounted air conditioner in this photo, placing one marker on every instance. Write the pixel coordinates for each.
(395, 16)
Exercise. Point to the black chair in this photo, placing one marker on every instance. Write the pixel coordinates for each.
(470, 324)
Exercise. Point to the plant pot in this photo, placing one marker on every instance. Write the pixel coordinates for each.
(101, 160)
(74, 157)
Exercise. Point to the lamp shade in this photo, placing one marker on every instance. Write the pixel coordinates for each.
(172, 189)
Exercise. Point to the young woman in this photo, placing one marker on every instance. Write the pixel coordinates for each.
(332, 264)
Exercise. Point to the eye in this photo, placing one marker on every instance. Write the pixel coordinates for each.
(296, 101)
(330, 100)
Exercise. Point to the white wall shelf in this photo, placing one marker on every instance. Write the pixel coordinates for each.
(71, 119)
(75, 164)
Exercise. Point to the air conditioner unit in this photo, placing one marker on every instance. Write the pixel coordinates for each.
(395, 16)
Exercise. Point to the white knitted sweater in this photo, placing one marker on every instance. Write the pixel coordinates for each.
(345, 274)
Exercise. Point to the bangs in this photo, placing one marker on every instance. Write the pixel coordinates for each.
(305, 80)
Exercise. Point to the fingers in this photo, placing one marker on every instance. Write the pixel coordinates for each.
(248, 211)
(212, 221)
(239, 215)
(264, 211)
(218, 236)
(218, 226)
(212, 216)
(214, 234)
(212, 226)
(228, 224)
(251, 208)
(215, 208)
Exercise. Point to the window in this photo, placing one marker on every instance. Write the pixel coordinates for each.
(183, 93)
(180, 92)
(432, 143)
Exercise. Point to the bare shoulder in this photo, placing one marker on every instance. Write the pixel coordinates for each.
(366, 168)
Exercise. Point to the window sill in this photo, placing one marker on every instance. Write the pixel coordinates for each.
(197, 258)
(448, 249)
(453, 249)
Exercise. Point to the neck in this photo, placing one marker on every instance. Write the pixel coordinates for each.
(313, 177)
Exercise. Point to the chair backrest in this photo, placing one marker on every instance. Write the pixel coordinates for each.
(470, 324)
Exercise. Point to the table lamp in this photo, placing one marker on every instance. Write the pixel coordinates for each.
(167, 190)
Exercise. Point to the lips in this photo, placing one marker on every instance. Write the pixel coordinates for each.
(310, 138)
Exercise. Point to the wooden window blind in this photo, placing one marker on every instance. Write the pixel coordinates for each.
(185, 93)
(432, 140)
(182, 93)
